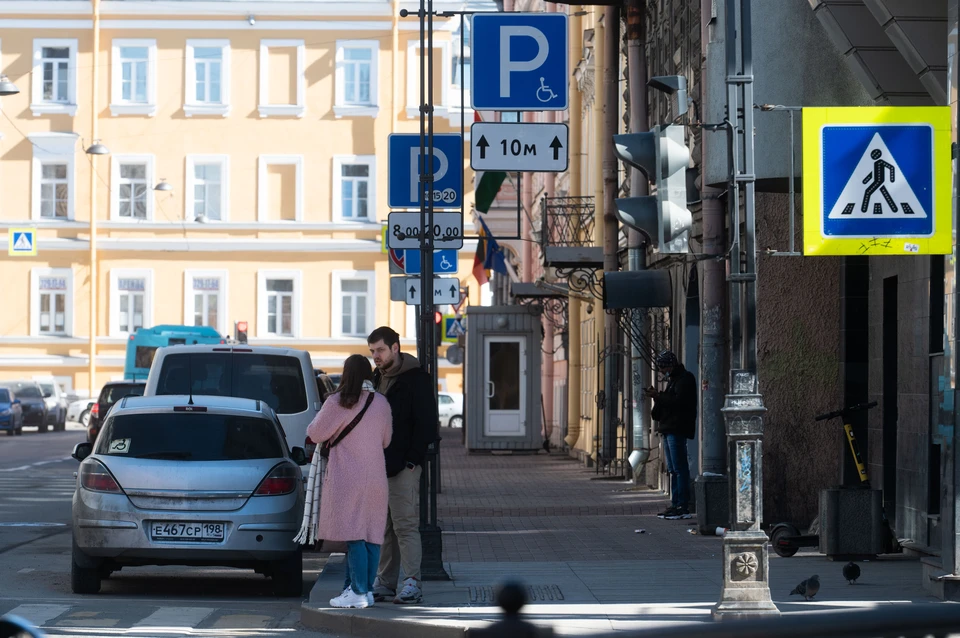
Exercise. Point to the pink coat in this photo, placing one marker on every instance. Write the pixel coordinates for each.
(353, 502)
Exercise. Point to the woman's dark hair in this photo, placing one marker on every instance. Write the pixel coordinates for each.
(356, 370)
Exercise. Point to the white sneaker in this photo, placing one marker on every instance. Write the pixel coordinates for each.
(351, 599)
(410, 594)
(381, 591)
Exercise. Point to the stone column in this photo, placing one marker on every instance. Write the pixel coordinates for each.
(746, 552)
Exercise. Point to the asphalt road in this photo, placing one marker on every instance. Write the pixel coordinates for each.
(36, 487)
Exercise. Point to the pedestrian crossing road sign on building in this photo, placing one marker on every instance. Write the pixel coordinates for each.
(22, 242)
(876, 181)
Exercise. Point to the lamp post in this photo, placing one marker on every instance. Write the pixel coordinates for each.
(7, 87)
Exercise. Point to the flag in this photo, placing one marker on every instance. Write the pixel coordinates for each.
(487, 183)
(493, 259)
(479, 272)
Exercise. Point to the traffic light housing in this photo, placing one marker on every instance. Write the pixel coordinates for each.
(437, 328)
(663, 156)
(241, 330)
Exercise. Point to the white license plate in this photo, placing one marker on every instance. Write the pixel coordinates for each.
(197, 532)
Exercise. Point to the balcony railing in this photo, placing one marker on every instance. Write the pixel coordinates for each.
(566, 221)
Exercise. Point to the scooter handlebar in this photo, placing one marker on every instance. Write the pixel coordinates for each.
(844, 411)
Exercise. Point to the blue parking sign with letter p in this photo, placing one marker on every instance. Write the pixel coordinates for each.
(520, 61)
(403, 170)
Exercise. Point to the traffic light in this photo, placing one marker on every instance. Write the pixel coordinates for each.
(241, 330)
(437, 328)
(662, 155)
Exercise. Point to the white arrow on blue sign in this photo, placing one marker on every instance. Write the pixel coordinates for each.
(403, 170)
(444, 262)
(520, 61)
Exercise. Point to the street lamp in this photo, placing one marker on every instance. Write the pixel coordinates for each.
(97, 149)
(163, 186)
(7, 87)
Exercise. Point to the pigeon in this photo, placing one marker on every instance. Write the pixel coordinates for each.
(808, 588)
(851, 571)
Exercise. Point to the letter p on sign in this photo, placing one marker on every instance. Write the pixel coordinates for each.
(509, 65)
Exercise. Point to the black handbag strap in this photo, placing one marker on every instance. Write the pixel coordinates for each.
(353, 423)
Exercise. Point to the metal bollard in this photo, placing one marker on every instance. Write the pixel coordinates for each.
(511, 596)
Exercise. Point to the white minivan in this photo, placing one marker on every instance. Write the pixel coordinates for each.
(283, 378)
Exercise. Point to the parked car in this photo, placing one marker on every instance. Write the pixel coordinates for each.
(11, 414)
(34, 408)
(325, 384)
(79, 411)
(56, 400)
(110, 393)
(281, 377)
(450, 409)
(188, 480)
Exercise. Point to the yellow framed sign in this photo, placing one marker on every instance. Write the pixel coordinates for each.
(877, 181)
(22, 242)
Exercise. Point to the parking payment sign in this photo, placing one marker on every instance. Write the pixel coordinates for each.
(520, 61)
(877, 181)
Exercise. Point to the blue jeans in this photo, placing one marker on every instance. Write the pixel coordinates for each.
(678, 469)
(362, 561)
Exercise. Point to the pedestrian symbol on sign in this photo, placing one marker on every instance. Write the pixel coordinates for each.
(22, 242)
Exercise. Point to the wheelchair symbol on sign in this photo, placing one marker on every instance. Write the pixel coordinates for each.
(445, 265)
(545, 93)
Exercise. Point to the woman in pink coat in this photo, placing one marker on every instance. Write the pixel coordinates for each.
(353, 502)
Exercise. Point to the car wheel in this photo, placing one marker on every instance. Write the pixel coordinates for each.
(456, 421)
(85, 418)
(84, 577)
(288, 576)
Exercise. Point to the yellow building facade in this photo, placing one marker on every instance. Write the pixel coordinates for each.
(246, 178)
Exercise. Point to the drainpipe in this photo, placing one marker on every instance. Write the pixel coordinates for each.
(599, 53)
(94, 135)
(637, 82)
(575, 190)
(611, 227)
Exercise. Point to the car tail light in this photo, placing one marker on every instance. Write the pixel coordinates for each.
(281, 480)
(309, 447)
(95, 410)
(94, 476)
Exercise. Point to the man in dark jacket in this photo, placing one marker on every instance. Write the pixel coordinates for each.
(675, 410)
(413, 402)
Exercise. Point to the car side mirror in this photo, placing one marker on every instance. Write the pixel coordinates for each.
(82, 450)
(299, 455)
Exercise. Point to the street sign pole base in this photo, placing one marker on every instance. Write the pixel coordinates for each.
(431, 564)
(746, 589)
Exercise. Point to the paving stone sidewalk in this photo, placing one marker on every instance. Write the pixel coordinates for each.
(571, 536)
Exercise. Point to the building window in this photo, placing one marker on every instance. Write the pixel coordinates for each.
(205, 298)
(356, 78)
(54, 84)
(354, 188)
(282, 79)
(54, 191)
(353, 303)
(207, 78)
(134, 76)
(280, 188)
(132, 187)
(460, 76)
(207, 186)
(441, 52)
(51, 292)
(278, 303)
(131, 294)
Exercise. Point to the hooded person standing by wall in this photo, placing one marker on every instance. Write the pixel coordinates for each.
(413, 402)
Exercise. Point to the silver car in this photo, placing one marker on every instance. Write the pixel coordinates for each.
(179, 480)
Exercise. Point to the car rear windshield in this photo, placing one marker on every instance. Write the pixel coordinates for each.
(4, 395)
(277, 380)
(29, 391)
(47, 389)
(113, 393)
(190, 436)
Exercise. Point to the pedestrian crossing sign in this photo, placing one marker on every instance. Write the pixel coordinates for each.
(22, 242)
(877, 181)
(452, 328)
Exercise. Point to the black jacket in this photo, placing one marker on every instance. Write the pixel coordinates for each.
(675, 408)
(414, 407)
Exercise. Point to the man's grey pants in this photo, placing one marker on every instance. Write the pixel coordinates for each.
(401, 541)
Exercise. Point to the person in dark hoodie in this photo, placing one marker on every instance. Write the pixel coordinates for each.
(413, 402)
(675, 410)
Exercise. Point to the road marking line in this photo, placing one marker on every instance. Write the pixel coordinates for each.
(242, 621)
(39, 615)
(25, 570)
(38, 463)
(176, 617)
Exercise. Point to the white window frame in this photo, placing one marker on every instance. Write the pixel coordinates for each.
(338, 162)
(190, 105)
(37, 105)
(116, 274)
(263, 199)
(192, 161)
(49, 148)
(454, 26)
(340, 107)
(336, 307)
(117, 104)
(413, 78)
(410, 322)
(116, 162)
(222, 297)
(35, 275)
(265, 108)
(295, 310)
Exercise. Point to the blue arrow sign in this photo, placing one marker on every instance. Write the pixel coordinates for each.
(444, 262)
(520, 61)
(403, 170)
